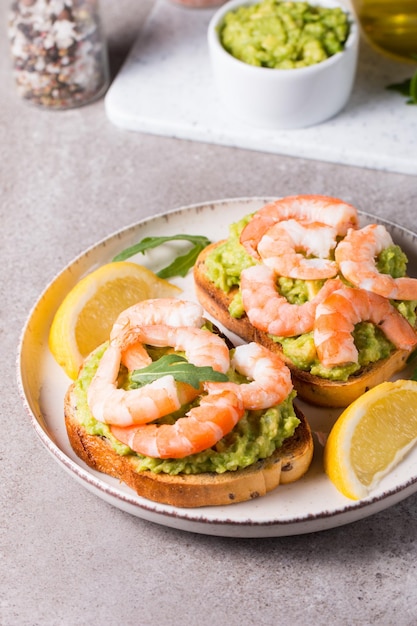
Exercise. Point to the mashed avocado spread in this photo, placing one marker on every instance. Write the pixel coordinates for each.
(284, 35)
(228, 260)
(256, 436)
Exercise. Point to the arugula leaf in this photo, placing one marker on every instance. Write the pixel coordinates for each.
(403, 88)
(178, 367)
(407, 87)
(413, 88)
(181, 265)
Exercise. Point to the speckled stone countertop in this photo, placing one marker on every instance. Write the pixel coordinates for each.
(68, 179)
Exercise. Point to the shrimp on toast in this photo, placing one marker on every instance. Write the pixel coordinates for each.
(356, 254)
(271, 312)
(114, 405)
(219, 411)
(170, 311)
(280, 249)
(304, 208)
(201, 428)
(270, 377)
(337, 315)
(201, 347)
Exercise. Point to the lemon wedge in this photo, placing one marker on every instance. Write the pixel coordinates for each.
(371, 437)
(84, 319)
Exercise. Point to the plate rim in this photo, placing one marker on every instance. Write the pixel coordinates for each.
(133, 503)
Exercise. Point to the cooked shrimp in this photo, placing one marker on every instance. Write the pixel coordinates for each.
(356, 254)
(169, 311)
(270, 377)
(278, 249)
(337, 315)
(201, 347)
(135, 356)
(271, 312)
(305, 208)
(114, 405)
(201, 428)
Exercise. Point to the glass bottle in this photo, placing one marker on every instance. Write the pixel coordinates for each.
(390, 26)
(58, 50)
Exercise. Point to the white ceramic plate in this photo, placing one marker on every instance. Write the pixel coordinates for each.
(309, 505)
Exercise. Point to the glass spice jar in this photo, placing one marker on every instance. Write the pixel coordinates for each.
(58, 52)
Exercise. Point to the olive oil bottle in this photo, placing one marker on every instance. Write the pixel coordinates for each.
(389, 25)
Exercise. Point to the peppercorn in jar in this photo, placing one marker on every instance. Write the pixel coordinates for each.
(58, 51)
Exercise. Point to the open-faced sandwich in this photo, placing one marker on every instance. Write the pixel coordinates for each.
(302, 278)
(167, 407)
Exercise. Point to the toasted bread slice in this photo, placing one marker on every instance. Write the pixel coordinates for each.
(287, 464)
(313, 389)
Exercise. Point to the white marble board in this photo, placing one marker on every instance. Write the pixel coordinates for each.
(166, 88)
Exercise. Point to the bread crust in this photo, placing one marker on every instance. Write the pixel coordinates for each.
(285, 465)
(313, 389)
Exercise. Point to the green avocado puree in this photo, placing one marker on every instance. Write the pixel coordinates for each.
(256, 436)
(284, 35)
(228, 260)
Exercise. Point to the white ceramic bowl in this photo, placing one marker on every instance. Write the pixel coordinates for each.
(283, 98)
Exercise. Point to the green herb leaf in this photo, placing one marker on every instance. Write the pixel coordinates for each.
(178, 367)
(181, 265)
(407, 87)
(413, 88)
(403, 88)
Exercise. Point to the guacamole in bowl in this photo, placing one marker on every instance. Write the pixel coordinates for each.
(283, 64)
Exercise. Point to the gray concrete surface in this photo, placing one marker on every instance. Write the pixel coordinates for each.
(67, 558)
